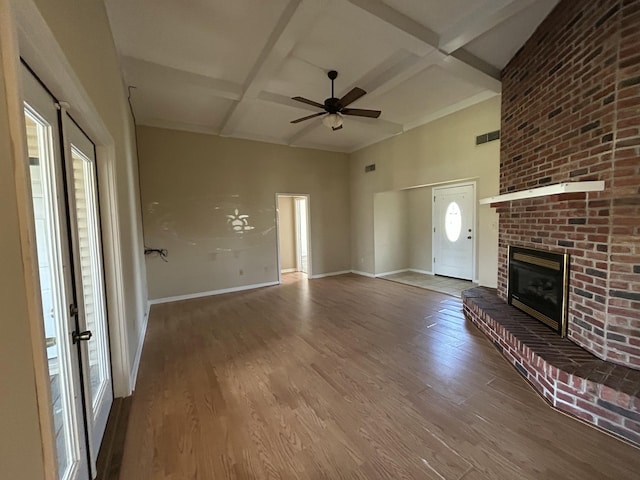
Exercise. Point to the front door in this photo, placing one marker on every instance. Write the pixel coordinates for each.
(453, 235)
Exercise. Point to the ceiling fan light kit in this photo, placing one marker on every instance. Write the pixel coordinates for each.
(333, 121)
(335, 108)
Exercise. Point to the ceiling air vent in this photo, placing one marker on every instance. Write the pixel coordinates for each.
(370, 168)
(487, 137)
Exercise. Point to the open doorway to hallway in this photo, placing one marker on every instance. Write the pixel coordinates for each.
(293, 234)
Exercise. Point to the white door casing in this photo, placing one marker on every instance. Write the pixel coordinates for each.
(454, 231)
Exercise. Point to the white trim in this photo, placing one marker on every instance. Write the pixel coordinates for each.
(190, 296)
(288, 270)
(133, 376)
(567, 187)
(331, 274)
(424, 272)
(9, 56)
(364, 274)
(393, 272)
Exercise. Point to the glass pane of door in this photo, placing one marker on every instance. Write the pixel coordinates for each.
(54, 291)
(87, 232)
(85, 220)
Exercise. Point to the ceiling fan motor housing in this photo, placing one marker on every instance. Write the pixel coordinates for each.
(331, 105)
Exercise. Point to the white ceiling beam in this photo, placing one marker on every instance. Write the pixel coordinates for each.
(381, 82)
(141, 73)
(409, 26)
(384, 12)
(176, 125)
(471, 74)
(294, 23)
(479, 22)
(286, 101)
(383, 126)
(311, 125)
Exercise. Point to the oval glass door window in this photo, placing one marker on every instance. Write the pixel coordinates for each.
(453, 222)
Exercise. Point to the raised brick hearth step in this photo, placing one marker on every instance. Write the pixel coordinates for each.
(569, 378)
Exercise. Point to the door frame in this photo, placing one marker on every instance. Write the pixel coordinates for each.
(296, 211)
(474, 202)
(277, 218)
(24, 34)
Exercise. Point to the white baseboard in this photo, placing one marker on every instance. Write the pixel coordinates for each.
(330, 274)
(136, 361)
(424, 272)
(288, 270)
(383, 274)
(364, 274)
(190, 296)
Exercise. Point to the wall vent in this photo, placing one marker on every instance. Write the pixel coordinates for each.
(370, 168)
(487, 137)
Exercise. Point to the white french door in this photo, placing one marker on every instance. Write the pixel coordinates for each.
(69, 259)
(80, 162)
(453, 235)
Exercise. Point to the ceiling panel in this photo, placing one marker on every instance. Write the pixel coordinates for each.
(221, 39)
(425, 93)
(439, 15)
(154, 106)
(491, 46)
(270, 120)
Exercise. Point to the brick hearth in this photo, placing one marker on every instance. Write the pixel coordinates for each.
(568, 377)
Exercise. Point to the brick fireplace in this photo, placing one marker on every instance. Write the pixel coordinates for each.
(571, 112)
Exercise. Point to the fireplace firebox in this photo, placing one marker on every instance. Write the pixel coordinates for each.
(538, 285)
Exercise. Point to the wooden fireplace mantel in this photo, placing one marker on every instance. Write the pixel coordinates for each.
(548, 190)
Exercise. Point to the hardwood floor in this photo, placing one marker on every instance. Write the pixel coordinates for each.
(344, 377)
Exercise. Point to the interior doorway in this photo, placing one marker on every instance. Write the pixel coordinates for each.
(293, 234)
(454, 216)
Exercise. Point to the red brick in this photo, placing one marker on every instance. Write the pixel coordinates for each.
(587, 91)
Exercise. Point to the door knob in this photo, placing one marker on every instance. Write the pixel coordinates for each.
(82, 336)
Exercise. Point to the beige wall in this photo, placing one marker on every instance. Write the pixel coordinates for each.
(441, 151)
(419, 233)
(390, 232)
(192, 182)
(287, 233)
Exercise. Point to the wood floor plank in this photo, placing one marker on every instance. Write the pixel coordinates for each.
(344, 377)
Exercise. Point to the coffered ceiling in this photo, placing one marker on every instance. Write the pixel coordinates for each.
(230, 67)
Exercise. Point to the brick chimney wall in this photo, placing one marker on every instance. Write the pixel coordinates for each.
(571, 112)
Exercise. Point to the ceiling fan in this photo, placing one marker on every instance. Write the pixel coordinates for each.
(334, 107)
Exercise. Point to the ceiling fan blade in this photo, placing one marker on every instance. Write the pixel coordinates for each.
(351, 97)
(298, 120)
(359, 112)
(336, 128)
(308, 102)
